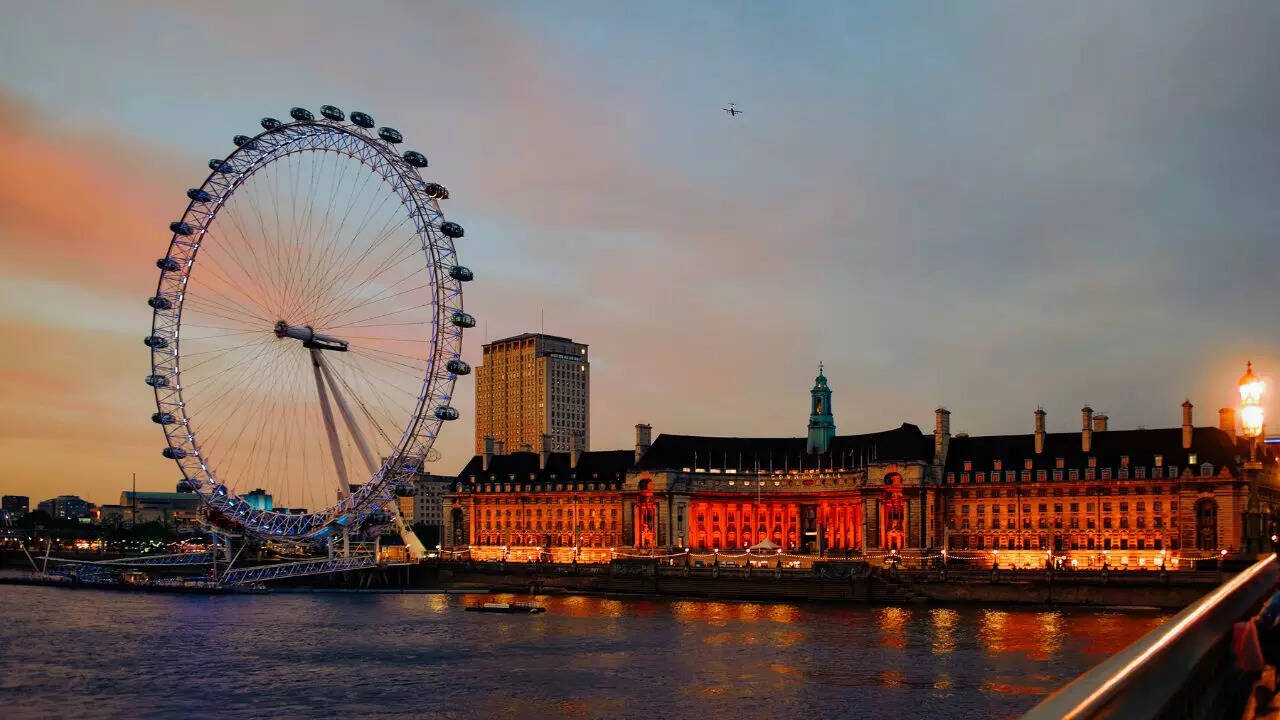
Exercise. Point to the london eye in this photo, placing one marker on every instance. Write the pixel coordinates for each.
(307, 328)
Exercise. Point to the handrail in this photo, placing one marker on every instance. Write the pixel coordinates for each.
(1141, 680)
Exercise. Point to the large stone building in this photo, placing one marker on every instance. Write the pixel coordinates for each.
(1092, 496)
(532, 385)
(547, 505)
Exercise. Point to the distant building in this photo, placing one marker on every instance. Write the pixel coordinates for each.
(428, 501)
(532, 385)
(180, 509)
(66, 507)
(17, 504)
(115, 515)
(258, 499)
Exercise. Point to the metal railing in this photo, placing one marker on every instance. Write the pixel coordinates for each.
(243, 576)
(1182, 669)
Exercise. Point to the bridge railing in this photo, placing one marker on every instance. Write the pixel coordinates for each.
(1182, 669)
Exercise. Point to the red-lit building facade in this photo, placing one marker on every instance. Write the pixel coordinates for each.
(1093, 495)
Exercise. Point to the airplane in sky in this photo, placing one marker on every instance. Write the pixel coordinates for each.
(732, 110)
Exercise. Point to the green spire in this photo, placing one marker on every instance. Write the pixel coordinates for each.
(822, 423)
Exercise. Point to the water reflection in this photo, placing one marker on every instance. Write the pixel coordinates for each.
(584, 657)
(943, 621)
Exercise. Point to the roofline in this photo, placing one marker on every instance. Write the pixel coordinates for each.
(525, 336)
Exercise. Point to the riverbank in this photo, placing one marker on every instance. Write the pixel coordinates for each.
(838, 582)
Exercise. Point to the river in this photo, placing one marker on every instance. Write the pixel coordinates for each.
(97, 654)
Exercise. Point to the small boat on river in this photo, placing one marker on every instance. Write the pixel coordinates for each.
(515, 608)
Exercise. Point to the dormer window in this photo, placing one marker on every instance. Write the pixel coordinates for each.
(1159, 460)
(1026, 464)
(1124, 461)
(1093, 461)
(999, 465)
(968, 465)
(1061, 463)
(1191, 459)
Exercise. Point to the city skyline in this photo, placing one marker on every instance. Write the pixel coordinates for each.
(973, 213)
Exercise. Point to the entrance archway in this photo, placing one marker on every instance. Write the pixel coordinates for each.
(1207, 524)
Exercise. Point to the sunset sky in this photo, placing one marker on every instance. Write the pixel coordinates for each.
(987, 206)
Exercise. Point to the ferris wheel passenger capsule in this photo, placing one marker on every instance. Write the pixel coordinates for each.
(363, 120)
(155, 342)
(168, 264)
(415, 158)
(241, 140)
(199, 195)
(301, 114)
(451, 229)
(332, 113)
(180, 228)
(445, 412)
(457, 367)
(391, 135)
(461, 273)
(156, 381)
(219, 166)
(163, 418)
(159, 303)
(174, 453)
(463, 320)
(269, 123)
(437, 191)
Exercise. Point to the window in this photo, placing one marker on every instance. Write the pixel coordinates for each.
(1060, 463)
(1093, 462)
(1026, 464)
(1140, 473)
(1074, 475)
(1040, 476)
(1057, 475)
(997, 465)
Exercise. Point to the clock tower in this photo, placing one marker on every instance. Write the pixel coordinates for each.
(822, 424)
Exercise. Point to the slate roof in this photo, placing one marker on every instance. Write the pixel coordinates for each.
(902, 444)
(608, 465)
(1209, 444)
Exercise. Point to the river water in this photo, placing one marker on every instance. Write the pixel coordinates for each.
(96, 654)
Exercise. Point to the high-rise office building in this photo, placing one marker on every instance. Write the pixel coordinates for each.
(530, 385)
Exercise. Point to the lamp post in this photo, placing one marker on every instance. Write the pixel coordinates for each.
(1251, 420)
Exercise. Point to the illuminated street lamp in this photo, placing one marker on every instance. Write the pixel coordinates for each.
(1251, 416)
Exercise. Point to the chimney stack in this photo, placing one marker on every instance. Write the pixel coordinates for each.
(488, 453)
(644, 435)
(545, 455)
(499, 447)
(1039, 430)
(1086, 429)
(941, 435)
(1227, 421)
(575, 451)
(1099, 423)
(1186, 424)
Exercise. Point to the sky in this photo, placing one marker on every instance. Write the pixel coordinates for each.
(984, 206)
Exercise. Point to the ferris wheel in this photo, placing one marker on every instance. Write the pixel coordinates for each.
(307, 328)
